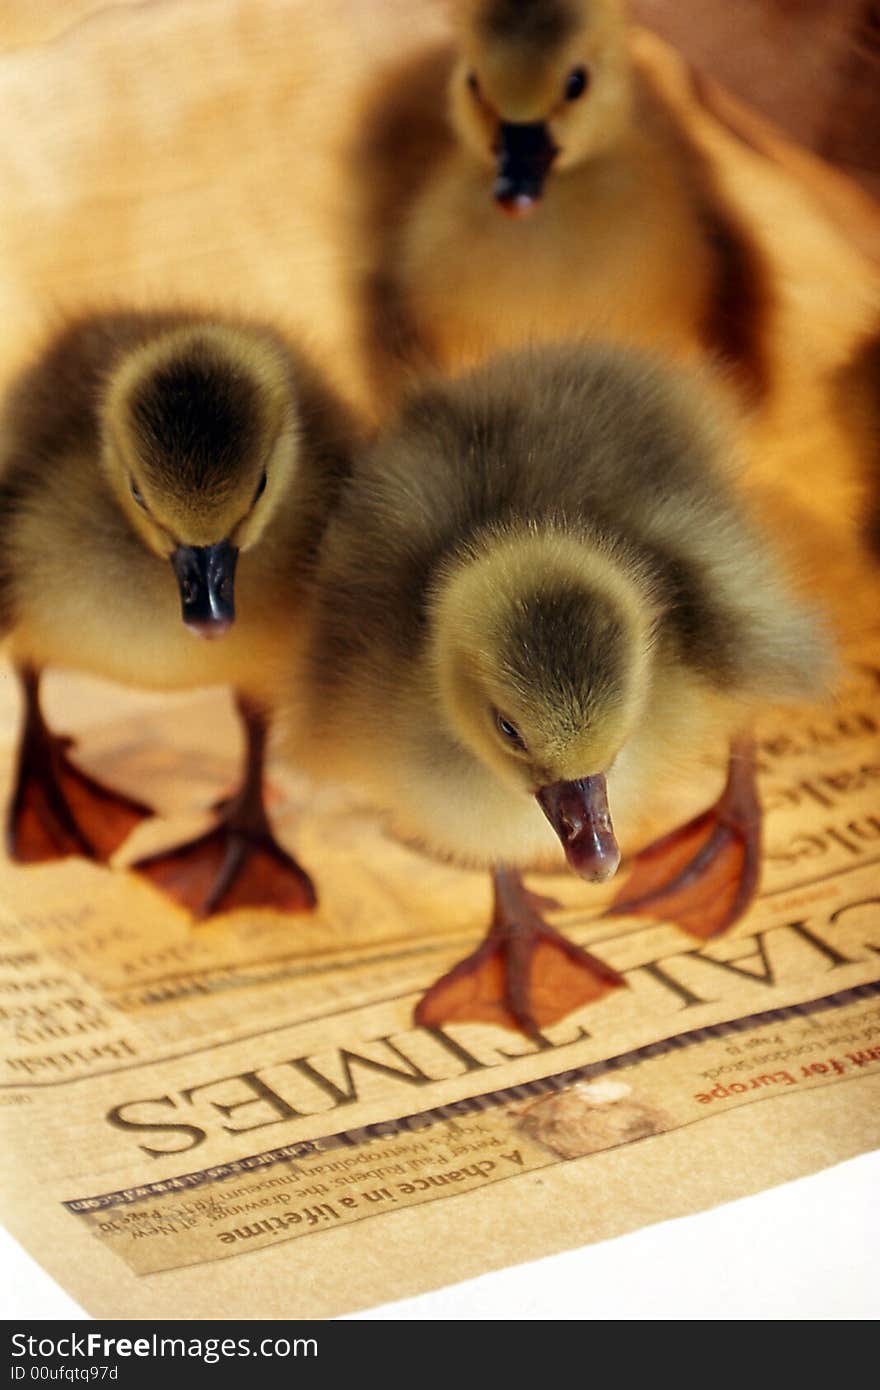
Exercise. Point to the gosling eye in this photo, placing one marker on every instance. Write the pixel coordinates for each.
(576, 83)
(261, 488)
(473, 84)
(510, 732)
(137, 494)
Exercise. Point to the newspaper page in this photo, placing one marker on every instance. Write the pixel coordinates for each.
(252, 1094)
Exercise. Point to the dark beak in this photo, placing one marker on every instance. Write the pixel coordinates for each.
(578, 812)
(206, 575)
(524, 154)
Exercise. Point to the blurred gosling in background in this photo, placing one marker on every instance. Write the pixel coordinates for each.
(615, 225)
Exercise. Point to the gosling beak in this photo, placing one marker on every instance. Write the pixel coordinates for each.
(578, 812)
(524, 154)
(206, 574)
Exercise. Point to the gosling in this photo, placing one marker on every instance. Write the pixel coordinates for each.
(537, 596)
(615, 223)
(164, 481)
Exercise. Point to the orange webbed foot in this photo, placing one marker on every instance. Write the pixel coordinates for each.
(228, 868)
(238, 863)
(524, 976)
(702, 876)
(57, 810)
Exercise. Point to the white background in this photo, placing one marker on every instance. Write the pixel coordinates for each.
(807, 1250)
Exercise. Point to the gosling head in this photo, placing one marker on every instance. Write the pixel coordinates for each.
(540, 85)
(199, 445)
(541, 651)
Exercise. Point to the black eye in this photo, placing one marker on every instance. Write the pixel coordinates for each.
(473, 83)
(510, 732)
(136, 494)
(261, 488)
(576, 84)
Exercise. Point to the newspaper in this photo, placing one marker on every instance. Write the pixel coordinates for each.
(177, 1096)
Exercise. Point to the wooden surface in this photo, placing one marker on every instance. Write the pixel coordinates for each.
(811, 66)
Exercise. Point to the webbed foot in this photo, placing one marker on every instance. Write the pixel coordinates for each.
(703, 875)
(57, 810)
(525, 975)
